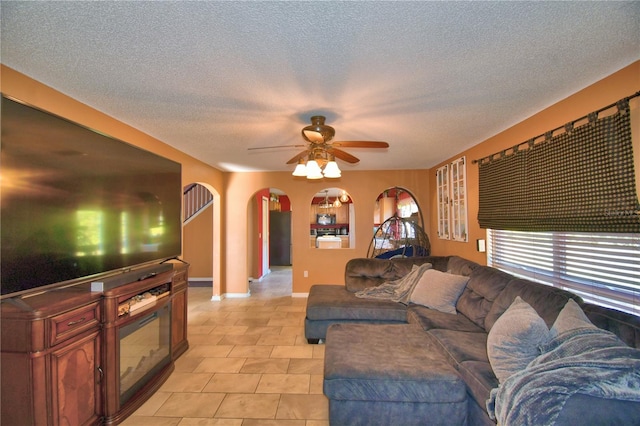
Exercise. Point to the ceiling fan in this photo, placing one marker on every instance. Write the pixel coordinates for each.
(321, 151)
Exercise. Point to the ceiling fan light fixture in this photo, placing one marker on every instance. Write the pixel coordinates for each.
(313, 170)
(301, 169)
(331, 170)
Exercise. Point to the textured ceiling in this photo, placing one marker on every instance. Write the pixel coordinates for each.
(215, 78)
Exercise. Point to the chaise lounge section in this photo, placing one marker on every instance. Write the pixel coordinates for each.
(391, 363)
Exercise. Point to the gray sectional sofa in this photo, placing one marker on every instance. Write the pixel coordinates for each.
(404, 363)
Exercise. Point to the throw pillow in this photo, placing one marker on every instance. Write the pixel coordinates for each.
(570, 318)
(515, 339)
(439, 290)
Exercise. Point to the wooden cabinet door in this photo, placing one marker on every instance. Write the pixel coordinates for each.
(179, 342)
(75, 386)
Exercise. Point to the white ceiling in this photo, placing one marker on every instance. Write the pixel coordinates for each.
(215, 78)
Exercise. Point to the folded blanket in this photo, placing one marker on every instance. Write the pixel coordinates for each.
(592, 362)
(397, 290)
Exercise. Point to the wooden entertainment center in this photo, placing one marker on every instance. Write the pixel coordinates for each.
(61, 351)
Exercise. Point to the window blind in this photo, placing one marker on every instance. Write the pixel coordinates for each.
(603, 268)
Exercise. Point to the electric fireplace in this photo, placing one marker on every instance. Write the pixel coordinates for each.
(145, 349)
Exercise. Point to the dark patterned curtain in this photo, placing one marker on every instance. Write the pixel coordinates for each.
(580, 180)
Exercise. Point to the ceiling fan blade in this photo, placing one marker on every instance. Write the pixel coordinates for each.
(344, 155)
(361, 144)
(276, 146)
(295, 159)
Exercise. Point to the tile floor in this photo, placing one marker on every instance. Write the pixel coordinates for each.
(248, 364)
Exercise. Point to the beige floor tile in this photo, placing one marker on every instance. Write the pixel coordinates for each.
(240, 339)
(276, 340)
(317, 423)
(251, 352)
(209, 351)
(253, 322)
(292, 352)
(189, 404)
(186, 382)
(286, 322)
(204, 339)
(220, 365)
(290, 330)
(186, 364)
(230, 329)
(306, 366)
(262, 422)
(215, 322)
(303, 407)
(317, 382)
(153, 404)
(291, 308)
(233, 383)
(263, 365)
(318, 351)
(249, 406)
(194, 421)
(264, 330)
(151, 421)
(200, 329)
(284, 383)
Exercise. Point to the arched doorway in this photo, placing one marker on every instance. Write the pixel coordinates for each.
(269, 233)
(201, 236)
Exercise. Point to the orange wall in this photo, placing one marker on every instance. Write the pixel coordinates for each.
(623, 83)
(323, 266)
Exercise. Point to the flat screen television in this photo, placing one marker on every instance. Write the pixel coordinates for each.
(76, 203)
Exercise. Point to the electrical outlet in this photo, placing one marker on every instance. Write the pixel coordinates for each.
(306, 274)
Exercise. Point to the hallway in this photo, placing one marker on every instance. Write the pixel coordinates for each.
(248, 364)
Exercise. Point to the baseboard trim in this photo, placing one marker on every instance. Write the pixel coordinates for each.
(305, 295)
(236, 295)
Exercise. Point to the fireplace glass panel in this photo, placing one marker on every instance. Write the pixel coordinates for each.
(145, 348)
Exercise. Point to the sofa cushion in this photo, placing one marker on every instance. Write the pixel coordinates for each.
(461, 346)
(479, 378)
(334, 302)
(515, 339)
(390, 363)
(484, 286)
(438, 290)
(430, 319)
(547, 301)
